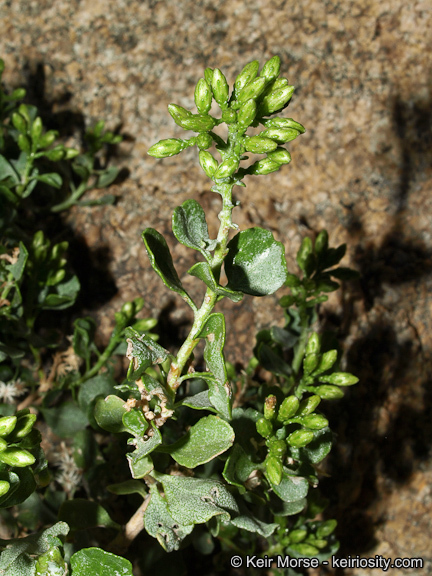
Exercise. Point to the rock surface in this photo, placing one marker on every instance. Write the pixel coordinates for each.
(363, 170)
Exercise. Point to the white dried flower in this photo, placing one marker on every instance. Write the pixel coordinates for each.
(10, 391)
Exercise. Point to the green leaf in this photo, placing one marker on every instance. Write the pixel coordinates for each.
(281, 508)
(139, 463)
(199, 401)
(66, 295)
(140, 467)
(345, 274)
(208, 438)
(162, 263)
(81, 514)
(16, 557)
(97, 387)
(65, 420)
(52, 178)
(108, 413)
(17, 269)
(161, 525)
(255, 263)
(316, 450)
(142, 352)
(83, 336)
(252, 524)
(92, 561)
(22, 485)
(107, 177)
(196, 500)
(8, 171)
(214, 333)
(203, 271)
(238, 468)
(128, 487)
(291, 488)
(190, 227)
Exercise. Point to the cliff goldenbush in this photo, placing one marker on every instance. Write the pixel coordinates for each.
(163, 448)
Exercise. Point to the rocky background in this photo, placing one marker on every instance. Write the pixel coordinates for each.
(363, 170)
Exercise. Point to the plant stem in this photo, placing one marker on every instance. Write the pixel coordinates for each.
(301, 346)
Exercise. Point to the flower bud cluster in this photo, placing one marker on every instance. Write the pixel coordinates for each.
(16, 441)
(289, 426)
(255, 96)
(316, 366)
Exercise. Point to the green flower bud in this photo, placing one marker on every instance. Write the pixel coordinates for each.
(56, 154)
(252, 90)
(246, 76)
(48, 138)
(270, 407)
(166, 148)
(264, 166)
(4, 487)
(315, 421)
(300, 438)
(321, 242)
(226, 169)
(178, 113)
(128, 309)
(305, 257)
(276, 100)
(24, 425)
(70, 152)
(281, 135)
(292, 281)
(274, 469)
(203, 96)
(19, 123)
(327, 361)
(284, 123)
(59, 249)
(198, 123)
(220, 88)
(281, 156)
(55, 278)
(319, 543)
(314, 345)
(277, 448)
(288, 408)
(24, 143)
(297, 535)
(23, 110)
(259, 145)
(329, 392)
(310, 362)
(229, 116)
(3, 444)
(304, 549)
(208, 163)
(18, 94)
(308, 405)
(36, 129)
(264, 427)
(271, 68)
(13, 456)
(7, 424)
(247, 112)
(208, 76)
(340, 379)
(204, 141)
(326, 528)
